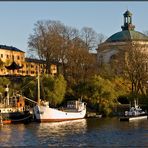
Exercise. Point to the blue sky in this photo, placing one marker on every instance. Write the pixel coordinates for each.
(17, 19)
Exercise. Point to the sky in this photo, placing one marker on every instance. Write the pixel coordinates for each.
(18, 18)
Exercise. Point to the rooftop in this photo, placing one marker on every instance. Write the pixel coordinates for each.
(10, 48)
(127, 35)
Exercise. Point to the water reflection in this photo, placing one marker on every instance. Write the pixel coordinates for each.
(11, 134)
(60, 132)
(86, 132)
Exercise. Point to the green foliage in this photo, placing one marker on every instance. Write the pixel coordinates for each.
(121, 86)
(3, 81)
(99, 92)
(103, 93)
(81, 90)
(28, 88)
(54, 89)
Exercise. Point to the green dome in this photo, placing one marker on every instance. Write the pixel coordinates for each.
(127, 35)
(127, 13)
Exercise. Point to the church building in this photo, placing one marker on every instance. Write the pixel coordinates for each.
(121, 40)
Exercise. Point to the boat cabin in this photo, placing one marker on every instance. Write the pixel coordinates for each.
(75, 105)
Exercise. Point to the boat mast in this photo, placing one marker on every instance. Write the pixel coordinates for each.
(7, 95)
(38, 78)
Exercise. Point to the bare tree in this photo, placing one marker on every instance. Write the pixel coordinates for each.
(53, 41)
(91, 38)
(80, 62)
(47, 40)
(132, 63)
(136, 60)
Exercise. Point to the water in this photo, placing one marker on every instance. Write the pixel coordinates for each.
(79, 133)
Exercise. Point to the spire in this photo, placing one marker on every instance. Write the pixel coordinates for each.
(128, 21)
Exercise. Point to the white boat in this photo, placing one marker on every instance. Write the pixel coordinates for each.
(74, 110)
(44, 113)
(135, 113)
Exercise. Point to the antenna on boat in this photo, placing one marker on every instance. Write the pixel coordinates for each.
(38, 78)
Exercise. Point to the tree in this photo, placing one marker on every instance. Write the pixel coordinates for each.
(54, 89)
(99, 93)
(3, 81)
(56, 42)
(46, 40)
(80, 63)
(102, 92)
(136, 59)
(28, 88)
(91, 38)
(131, 63)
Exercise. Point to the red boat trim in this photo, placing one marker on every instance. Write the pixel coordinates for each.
(6, 121)
(56, 120)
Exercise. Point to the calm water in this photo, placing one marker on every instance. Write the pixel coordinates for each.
(82, 133)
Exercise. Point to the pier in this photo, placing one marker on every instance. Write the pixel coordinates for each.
(133, 118)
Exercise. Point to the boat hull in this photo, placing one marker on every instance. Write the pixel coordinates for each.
(133, 118)
(47, 114)
(16, 117)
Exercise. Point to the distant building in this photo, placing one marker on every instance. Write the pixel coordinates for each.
(8, 54)
(120, 40)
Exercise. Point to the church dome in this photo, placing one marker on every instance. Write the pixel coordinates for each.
(127, 35)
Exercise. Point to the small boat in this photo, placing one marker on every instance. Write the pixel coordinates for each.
(13, 109)
(43, 113)
(135, 113)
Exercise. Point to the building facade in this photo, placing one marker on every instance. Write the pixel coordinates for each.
(30, 67)
(121, 40)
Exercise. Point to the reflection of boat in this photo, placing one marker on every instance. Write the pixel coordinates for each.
(62, 128)
(74, 110)
(13, 110)
(44, 113)
(134, 113)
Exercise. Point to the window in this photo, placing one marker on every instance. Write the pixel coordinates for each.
(18, 57)
(1, 55)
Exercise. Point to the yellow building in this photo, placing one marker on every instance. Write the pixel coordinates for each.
(8, 54)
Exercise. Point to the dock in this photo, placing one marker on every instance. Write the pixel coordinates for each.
(93, 115)
(132, 118)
